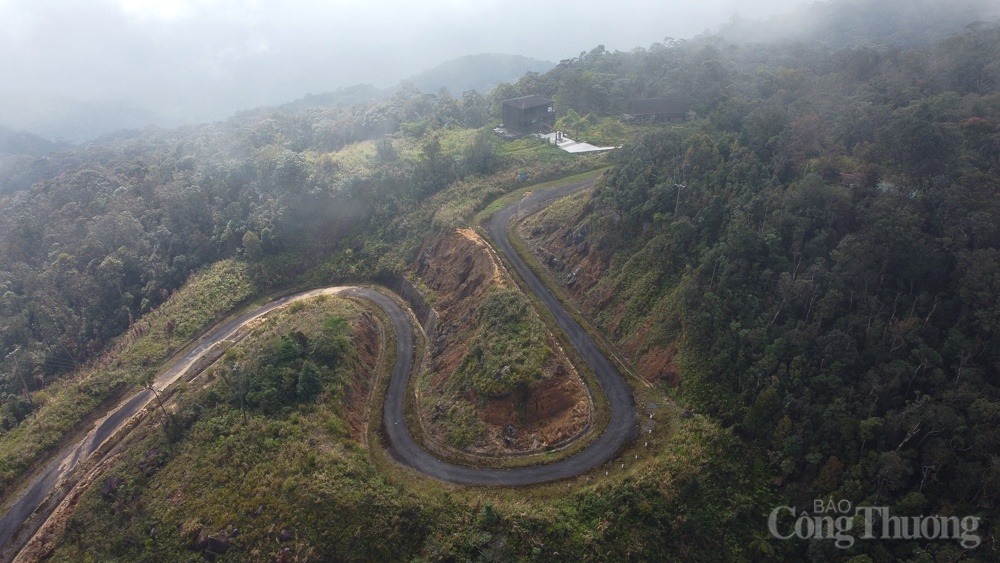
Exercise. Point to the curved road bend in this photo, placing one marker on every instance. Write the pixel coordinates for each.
(403, 447)
(46, 484)
(621, 426)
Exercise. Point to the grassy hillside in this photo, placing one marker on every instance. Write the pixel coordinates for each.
(296, 481)
(62, 409)
(804, 278)
(291, 483)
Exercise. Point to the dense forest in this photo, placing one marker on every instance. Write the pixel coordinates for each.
(106, 232)
(823, 245)
(820, 246)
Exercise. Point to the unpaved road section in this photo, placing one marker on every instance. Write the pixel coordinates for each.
(26, 513)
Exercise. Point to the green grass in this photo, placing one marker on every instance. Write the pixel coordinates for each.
(357, 160)
(682, 495)
(508, 350)
(455, 140)
(559, 213)
(499, 203)
(64, 407)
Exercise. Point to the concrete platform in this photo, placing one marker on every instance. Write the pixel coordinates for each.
(571, 146)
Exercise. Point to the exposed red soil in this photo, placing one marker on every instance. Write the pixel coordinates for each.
(561, 242)
(657, 364)
(460, 270)
(368, 337)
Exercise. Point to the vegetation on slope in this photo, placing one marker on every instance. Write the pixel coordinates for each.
(108, 231)
(507, 351)
(818, 253)
(94, 251)
(494, 382)
(243, 437)
(818, 249)
(291, 485)
(62, 408)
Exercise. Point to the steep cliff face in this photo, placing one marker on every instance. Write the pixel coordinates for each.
(497, 384)
(460, 271)
(560, 238)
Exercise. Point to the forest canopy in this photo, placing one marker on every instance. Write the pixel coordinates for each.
(820, 243)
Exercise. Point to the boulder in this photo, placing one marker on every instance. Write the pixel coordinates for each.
(110, 486)
(202, 541)
(217, 544)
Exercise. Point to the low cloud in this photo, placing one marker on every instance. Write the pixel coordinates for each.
(185, 61)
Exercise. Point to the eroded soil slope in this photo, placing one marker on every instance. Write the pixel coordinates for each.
(369, 340)
(560, 238)
(184, 476)
(498, 382)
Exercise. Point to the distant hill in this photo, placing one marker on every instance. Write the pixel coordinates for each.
(21, 142)
(860, 23)
(342, 97)
(25, 158)
(476, 72)
(64, 119)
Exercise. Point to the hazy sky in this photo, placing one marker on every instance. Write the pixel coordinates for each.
(193, 60)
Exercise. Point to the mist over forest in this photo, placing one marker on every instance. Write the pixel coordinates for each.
(800, 270)
(77, 70)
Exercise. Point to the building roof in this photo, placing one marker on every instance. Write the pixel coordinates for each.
(528, 102)
(660, 106)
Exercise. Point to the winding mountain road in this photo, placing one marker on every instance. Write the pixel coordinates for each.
(50, 486)
(622, 422)
(27, 511)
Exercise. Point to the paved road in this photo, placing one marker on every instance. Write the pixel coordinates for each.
(621, 426)
(46, 488)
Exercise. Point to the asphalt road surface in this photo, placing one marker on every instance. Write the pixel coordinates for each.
(46, 488)
(621, 426)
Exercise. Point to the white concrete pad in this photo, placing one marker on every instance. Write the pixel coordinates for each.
(571, 146)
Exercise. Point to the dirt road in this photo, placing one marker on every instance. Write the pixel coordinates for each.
(35, 503)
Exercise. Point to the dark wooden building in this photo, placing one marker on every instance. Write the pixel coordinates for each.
(659, 109)
(528, 114)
